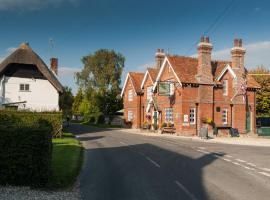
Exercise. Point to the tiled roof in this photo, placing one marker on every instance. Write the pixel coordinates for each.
(136, 79)
(186, 69)
(153, 72)
(252, 83)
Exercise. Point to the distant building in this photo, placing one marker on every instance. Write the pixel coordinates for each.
(186, 92)
(27, 83)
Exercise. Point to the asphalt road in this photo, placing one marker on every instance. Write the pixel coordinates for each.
(125, 166)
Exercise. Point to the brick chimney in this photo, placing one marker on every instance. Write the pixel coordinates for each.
(238, 55)
(160, 56)
(54, 65)
(204, 73)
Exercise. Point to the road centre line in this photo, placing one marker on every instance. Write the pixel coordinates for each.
(239, 160)
(142, 154)
(265, 169)
(182, 187)
(228, 156)
(201, 147)
(264, 173)
(251, 164)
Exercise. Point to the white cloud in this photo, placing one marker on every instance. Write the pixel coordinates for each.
(32, 4)
(68, 71)
(256, 54)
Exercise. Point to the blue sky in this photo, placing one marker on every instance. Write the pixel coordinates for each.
(135, 28)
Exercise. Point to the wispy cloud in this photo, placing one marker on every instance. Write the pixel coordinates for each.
(256, 54)
(32, 4)
(67, 71)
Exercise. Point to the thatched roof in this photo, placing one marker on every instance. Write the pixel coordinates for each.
(25, 55)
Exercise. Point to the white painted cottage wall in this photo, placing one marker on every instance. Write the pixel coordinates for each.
(42, 95)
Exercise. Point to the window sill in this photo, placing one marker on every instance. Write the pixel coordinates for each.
(24, 91)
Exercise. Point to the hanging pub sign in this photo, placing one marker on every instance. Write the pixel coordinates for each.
(164, 89)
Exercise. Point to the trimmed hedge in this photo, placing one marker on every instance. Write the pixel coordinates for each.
(25, 153)
(26, 118)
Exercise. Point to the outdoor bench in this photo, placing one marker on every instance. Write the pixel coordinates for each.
(170, 130)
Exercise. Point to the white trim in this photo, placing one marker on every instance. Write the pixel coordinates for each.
(149, 104)
(124, 86)
(144, 78)
(228, 67)
(161, 70)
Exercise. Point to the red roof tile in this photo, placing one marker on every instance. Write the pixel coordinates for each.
(153, 72)
(136, 79)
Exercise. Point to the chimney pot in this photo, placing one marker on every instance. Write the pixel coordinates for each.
(240, 42)
(202, 39)
(54, 65)
(207, 39)
(236, 43)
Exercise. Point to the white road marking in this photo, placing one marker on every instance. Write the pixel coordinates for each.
(251, 164)
(202, 151)
(124, 143)
(239, 160)
(191, 196)
(264, 173)
(201, 147)
(249, 168)
(236, 163)
(266, 169)
(153, 162)
(226, 159)
(228, 156)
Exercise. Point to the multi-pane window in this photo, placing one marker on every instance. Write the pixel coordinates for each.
(225, 87)
(192, 115)
(225, 116)
(130, 95)
(168, 115)
(24, 87)
(149, 93)
(130, 115)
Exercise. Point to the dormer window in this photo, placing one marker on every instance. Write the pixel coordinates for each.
(225, 87)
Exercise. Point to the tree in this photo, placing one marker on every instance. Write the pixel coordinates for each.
(263, 95)
(101, 79)
(77, 102)
(66, 100)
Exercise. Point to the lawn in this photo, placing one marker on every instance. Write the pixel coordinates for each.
(66, 161)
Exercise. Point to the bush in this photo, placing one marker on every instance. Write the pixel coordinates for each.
(92, 119)
(24, 118)
(164, 124)
(101, 119)
(25, 153)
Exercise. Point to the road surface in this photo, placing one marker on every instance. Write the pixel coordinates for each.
(125, 166)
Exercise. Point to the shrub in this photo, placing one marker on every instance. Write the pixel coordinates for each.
(25, 153)
(8, 117)
(164, 124)
(101, 119)
(92, 119)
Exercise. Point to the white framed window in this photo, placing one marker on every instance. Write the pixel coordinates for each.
(192, 115)
(149, 92)
(130, 116)
(225, 87)
(225, 116)
(168, 115)
(24, 87)
(130, 95)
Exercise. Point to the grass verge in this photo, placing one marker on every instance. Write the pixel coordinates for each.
(67, 160)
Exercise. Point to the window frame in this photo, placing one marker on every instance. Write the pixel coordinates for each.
(169, 115)
(224, 117)
(130, 95)
(194, 116)
(23, 86)
(225, 87)
(149, 92)
(130, 116)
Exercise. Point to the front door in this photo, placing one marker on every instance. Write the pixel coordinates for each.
(248, 122)
(155, 119)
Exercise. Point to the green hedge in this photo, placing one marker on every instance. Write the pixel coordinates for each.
(22, 118)
(25, 153)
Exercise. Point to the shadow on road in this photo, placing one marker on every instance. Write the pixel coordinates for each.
(78, 129)
(132, 172)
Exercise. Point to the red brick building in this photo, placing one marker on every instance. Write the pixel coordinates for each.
(188, 91)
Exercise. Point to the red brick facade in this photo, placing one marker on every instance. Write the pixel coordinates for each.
(201, 89)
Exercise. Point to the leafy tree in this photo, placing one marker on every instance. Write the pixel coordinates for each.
(66, 100)
(263, 95)
(101, 79)
(77, 102)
